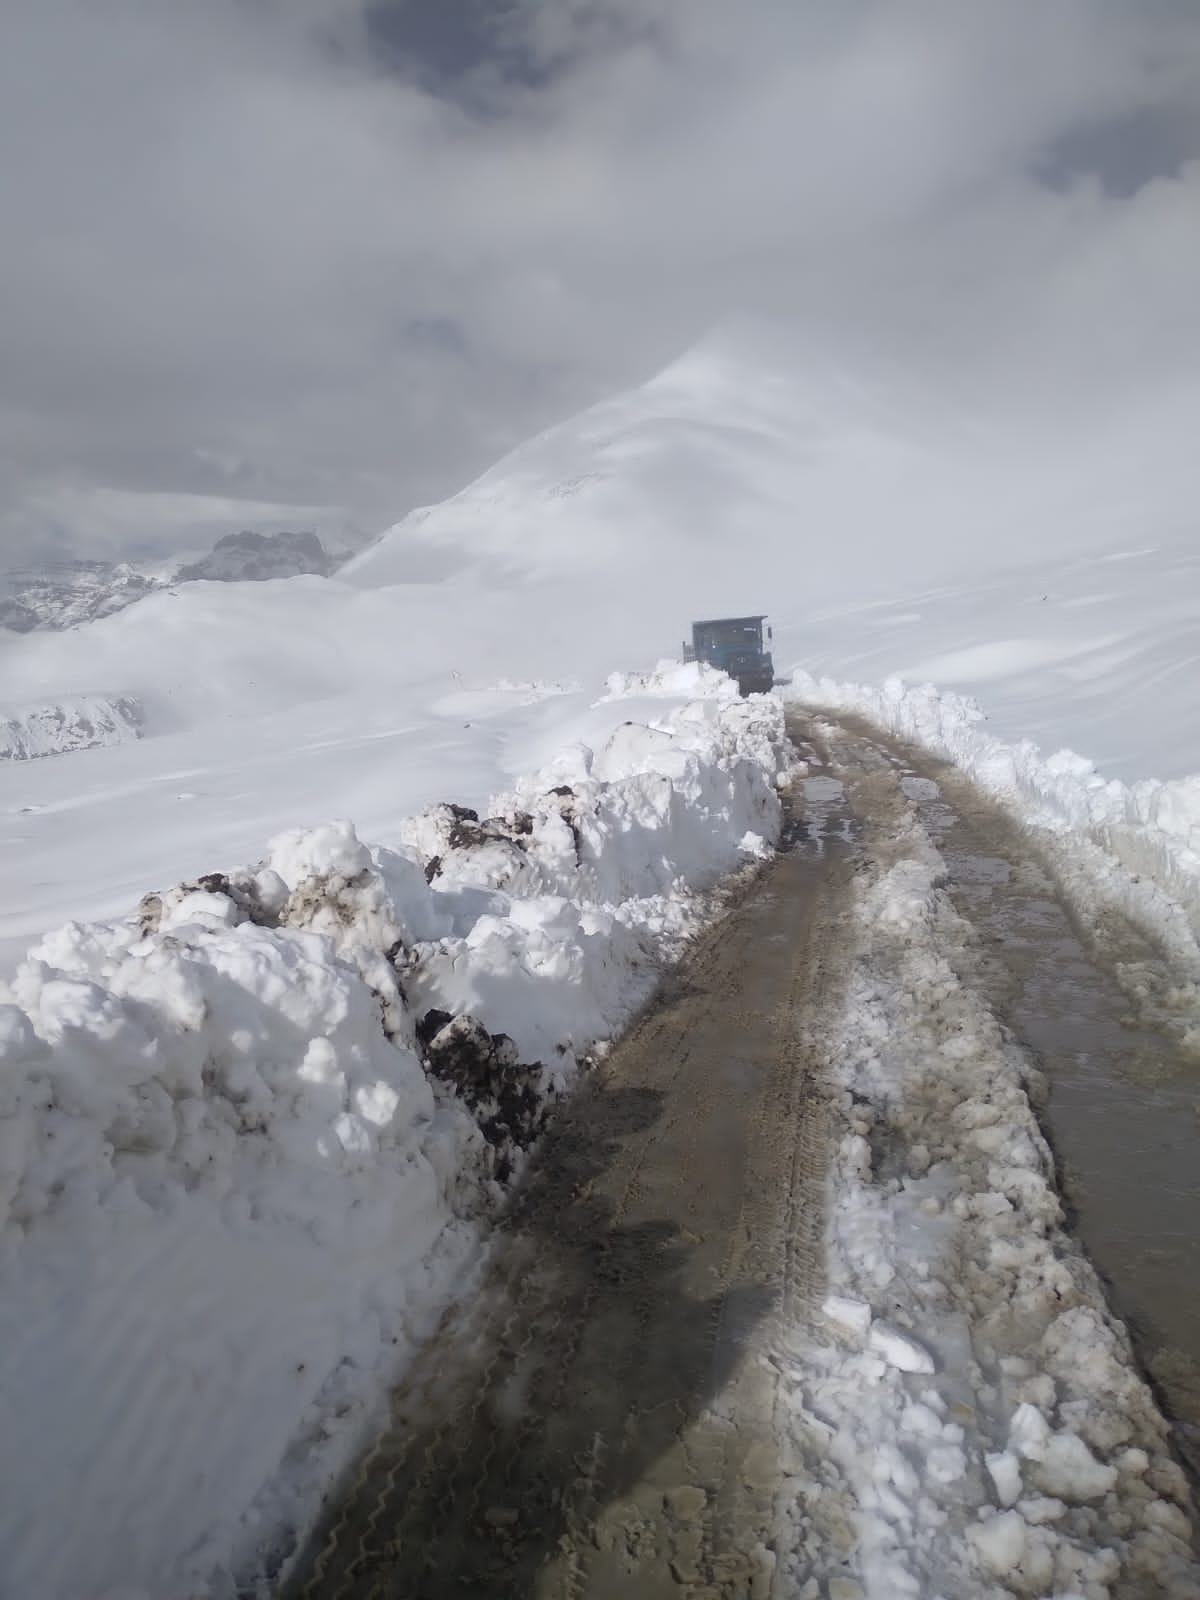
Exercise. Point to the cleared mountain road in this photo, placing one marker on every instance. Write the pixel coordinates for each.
(613, 1413)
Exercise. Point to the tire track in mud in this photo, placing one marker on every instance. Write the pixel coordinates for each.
(1091, 1004)
(603, 1418)
(614, 1413)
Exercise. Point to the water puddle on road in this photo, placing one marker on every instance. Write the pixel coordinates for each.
(1124, 1105)
(826, 814)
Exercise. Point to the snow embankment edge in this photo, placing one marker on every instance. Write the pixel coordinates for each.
(243, 1169)
(1135, 846)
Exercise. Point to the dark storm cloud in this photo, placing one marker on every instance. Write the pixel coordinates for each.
(470, 50)
(443, 42)
(1127, 152)
(342, 254)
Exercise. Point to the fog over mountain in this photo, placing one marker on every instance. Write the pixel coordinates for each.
(311, 264)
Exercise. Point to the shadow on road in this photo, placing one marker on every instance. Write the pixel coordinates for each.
(597, 1420)
(588, 1352)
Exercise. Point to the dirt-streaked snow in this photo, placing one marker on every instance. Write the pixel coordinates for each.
(1134, 846)
(233, 1201)
(976, 1398)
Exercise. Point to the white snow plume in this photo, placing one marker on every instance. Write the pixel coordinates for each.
(72, 722)
(971, 1392)
(234, 1200)
(672, 679)
(1133, 845)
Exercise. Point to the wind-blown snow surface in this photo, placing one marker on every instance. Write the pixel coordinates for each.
(233, 1201)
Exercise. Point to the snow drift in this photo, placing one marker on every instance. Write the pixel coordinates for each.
(243, 1164)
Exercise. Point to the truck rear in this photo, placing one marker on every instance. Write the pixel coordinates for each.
(734, 645)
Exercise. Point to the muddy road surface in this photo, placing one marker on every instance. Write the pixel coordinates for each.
(605, 1417)
(1123, 1105)
(595, 1424)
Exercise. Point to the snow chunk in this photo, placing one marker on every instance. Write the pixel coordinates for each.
(672, 679)
(849, 1313)
(334, 849)
(1028, 1432)
(1000, 1542)
(1067, 1470)
(899, 1349)
(1005, 1472)
(18, 1040)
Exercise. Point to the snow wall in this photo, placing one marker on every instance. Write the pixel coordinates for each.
(250, 1139)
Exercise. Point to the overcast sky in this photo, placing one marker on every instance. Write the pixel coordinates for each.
(342, 253)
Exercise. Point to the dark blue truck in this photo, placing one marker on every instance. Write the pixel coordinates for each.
(734, 645)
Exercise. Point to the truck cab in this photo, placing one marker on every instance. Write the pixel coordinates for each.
(734, 645)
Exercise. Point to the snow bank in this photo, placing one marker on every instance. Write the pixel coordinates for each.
(971, 1391)
(247, 1152)
(1135, 845)
(74, 722)
(672, 678)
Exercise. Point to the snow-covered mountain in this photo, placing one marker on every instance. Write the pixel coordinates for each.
(881, 524)
(249, 557)
(76, 722)
(755, 448)
(882, 532)
(65, 594)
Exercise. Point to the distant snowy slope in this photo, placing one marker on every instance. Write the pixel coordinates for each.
(1097, 650)
(76, 722)
(757, 446)
(727, 454)
(250, 557)
(885, 527)
(65, 594)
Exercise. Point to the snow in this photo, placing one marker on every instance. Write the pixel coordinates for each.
(1001, 1542)
(1067, 1470)
(980, 1407)
(1061, 649)
(468, 643)
(849, 1313)
(232, 1199)
(75, 722)
(1135, 847)
(67, 593)
(1152, 826)
(1004, 1469)
(898, 1349)
(228, 1179)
